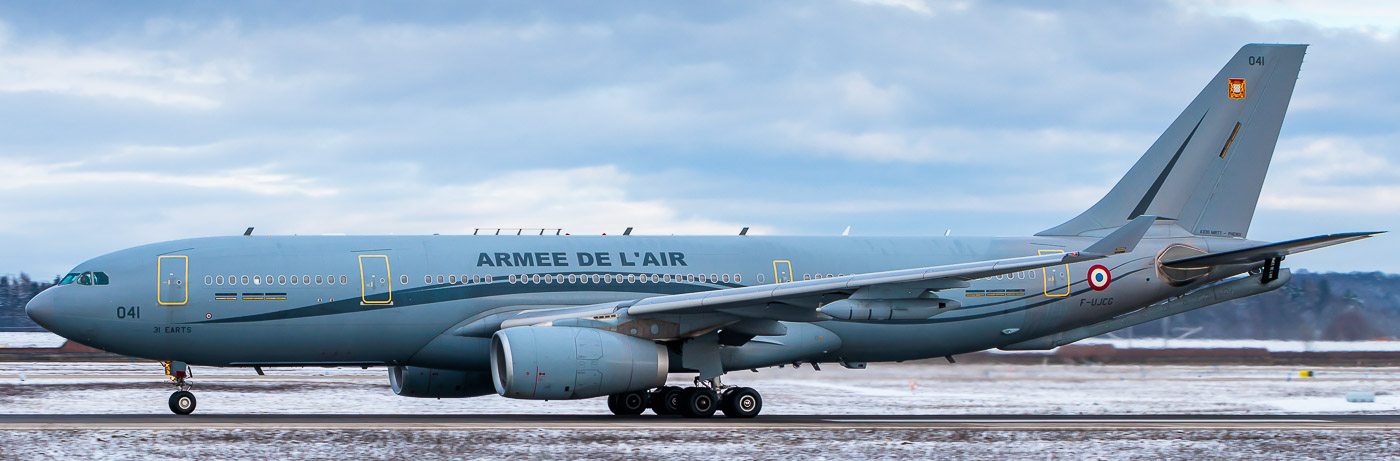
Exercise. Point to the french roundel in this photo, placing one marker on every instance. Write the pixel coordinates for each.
(1099, 277)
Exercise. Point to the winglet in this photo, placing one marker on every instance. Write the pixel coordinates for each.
(1120, 241)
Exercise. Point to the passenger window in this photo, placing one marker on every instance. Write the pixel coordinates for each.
(295, 280)
(243, 280)
(511, 278)
(269, 279)
(440, 279)
(690, 278)
(208, 280)
(596, 278)
(426, 279)
(257, 280)
(725, 278)
(573, 279)
(330, 280)
(319, 279)
(655, 278)
(828, 275)
(714, 278)
(343, 280)
(806, 276)
(760, 277)
(631, 278)
(306, 280)
(475, 278)
(488, 278)
(737, 279)
(281, 280)
(233, 280)
(219, 280)
(452, 279)
(535, 278)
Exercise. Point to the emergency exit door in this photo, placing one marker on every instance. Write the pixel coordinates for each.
(376, 283)
(173, 274)
(1056, 277)
(782, 271)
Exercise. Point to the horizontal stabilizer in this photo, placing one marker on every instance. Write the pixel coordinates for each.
(1264, 252)
(1122, 240)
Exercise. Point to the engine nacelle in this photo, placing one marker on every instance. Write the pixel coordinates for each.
(888, 309)
(559, 363)
(435, 383)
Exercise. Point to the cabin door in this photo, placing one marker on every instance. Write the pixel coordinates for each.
(174, 274)
(1056, 277)
(376, 282)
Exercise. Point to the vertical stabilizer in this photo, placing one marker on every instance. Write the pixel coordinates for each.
(1207, 169)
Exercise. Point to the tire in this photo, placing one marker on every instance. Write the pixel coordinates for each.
(182, 402)
(698, 402)
(666, 400)
(630, 403)
(612, 405)
(743, 402)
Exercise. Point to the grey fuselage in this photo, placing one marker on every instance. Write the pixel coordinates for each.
(396, 300)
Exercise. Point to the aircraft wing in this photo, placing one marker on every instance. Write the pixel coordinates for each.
(752, 301)
(1263, 252)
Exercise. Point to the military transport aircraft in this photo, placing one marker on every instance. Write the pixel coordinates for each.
(572, 317)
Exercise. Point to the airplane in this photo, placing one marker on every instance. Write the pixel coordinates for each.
(554, 317)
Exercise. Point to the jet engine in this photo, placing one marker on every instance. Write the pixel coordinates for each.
(559, 363)
(436, 383)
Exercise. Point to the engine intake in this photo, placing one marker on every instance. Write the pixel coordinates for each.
(559, 363)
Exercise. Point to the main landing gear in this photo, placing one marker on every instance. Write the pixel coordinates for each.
(182, 401)
(699, 401)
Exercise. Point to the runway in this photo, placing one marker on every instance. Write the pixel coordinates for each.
(649, 422)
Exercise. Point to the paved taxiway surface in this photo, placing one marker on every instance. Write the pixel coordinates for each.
(649, 422)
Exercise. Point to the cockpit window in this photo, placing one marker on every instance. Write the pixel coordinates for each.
(85, 278)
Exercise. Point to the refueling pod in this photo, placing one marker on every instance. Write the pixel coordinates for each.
(436, 383)
(888, 309)
(559, 363)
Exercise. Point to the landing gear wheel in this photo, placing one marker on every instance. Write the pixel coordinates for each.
(698, 402)
(182, 402)
(666, 400)
(742, 402)
(628, 403)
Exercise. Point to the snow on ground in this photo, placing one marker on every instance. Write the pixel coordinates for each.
(923, 388)
(1271, 345)
(19, 339)
(702, 444)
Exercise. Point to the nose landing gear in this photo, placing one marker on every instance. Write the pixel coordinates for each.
(182, 401)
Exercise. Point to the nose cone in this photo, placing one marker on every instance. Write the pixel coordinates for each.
(41, 309)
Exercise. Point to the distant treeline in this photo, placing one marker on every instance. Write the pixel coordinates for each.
(15, 292)
(1312, 307)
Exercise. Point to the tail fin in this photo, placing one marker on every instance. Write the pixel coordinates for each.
(1207, 169)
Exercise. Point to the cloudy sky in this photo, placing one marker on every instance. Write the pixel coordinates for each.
(131, 123)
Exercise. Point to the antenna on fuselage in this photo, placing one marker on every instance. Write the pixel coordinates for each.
(627, 232)
(248, 232)
(847, 231)
(744, 231)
